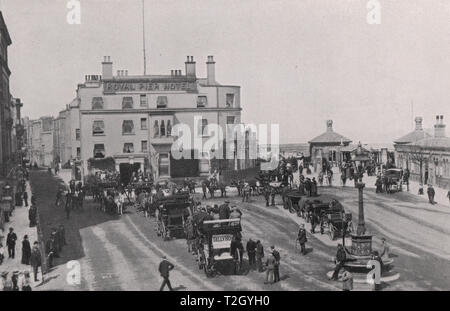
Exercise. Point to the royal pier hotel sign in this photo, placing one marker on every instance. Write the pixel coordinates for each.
(114, 86)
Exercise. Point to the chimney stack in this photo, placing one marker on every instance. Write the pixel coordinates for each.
(211, 70)
(439, 127)
(418, 123)
(190, 66)
(329, 125)
(107, 70)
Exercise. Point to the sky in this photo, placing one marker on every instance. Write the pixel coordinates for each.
(298, 62)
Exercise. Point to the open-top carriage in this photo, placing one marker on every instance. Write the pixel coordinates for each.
(332, 217)
(171, 214)
(215, 251)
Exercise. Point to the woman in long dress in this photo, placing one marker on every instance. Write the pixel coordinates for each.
(26, 250)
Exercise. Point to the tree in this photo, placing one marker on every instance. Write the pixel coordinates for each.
(420, 156)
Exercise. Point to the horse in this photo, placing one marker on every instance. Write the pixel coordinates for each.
(212, 185)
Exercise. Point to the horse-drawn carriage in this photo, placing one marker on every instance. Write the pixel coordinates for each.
(216, 250)
(171, 214)
(393, 179)
(332, 217)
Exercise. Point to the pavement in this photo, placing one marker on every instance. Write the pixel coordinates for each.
(19, 221)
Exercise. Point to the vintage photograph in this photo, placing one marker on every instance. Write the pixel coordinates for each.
(206, 146)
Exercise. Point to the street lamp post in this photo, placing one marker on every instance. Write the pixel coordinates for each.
(361, 230)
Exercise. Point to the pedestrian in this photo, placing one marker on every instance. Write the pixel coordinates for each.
(276, 267)
(204, 189)
(2, 253)
(385, 249)
(302, 239)
(35, 259)
(26, 282)
(62, 236)
(59, 194)
(270, 264)
(25, 198)
(5, 284)
(431, 193)
(50, 250)
(347, 280)
(251, 251)
(341, 256)
(272, 195)
(267, 195)
(26, 250)
(224, 210)
(67, 206)
(15, 280)
(164, 268)
(32, 213)
(259, 255)
(377, 280)
(11, 243)
(448, 196)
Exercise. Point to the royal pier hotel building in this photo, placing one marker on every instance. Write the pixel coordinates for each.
(130, 119)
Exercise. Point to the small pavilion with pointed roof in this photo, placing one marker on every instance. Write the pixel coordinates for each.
(325, 148)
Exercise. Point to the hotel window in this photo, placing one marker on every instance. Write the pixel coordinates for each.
(230, 120)
(161, 102)
(128, 148)
(99, 151)
(98, 128)
(127, 127)
(143, 123)
(78, 152)
(144, 146)
(202, 101)
(143, 101)
(97, 103)
(127, 102)
(77, 134)
(163, 164)
(169, 128)
(156, 129)
(230, 100)
(162, 129)
(202, 127)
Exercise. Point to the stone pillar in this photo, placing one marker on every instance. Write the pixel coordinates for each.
(361, 230)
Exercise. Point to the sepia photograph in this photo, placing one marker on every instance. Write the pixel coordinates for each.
(225, 150)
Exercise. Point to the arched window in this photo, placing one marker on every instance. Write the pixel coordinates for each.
(156, 129)
(163, 129)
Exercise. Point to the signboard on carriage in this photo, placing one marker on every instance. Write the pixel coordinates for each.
(221, 241)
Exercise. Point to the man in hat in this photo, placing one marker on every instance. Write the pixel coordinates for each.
(270, 264)
(251, 251)
(224, 210)
(431, 194)
(276, 267)
(11, 243)
(35, 259)
(267, 194)
(164, 268)
(259, 255)
(301, 237)
(341, 256)
(25, 197)
(32, 213)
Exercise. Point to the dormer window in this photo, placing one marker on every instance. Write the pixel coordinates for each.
(127, 102)
(161, 102)
(97, 103)
(202, 101)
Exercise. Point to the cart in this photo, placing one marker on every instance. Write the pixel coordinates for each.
(214, 251)
(292, 201)
(171, 214)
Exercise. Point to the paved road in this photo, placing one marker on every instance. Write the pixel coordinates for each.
(124, 253)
